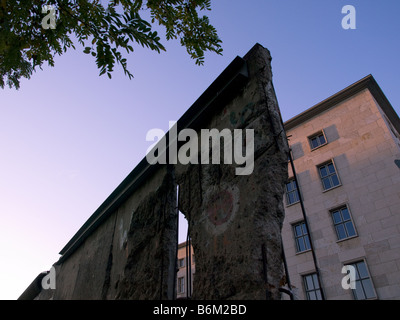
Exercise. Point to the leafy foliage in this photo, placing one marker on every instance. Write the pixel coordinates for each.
(103, 31)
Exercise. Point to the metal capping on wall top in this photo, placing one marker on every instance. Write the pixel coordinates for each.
(231, 80)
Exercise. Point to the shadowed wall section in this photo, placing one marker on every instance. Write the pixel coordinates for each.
(235, 221)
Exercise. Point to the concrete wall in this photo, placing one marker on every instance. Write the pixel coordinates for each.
(234, 220)
(131, 255)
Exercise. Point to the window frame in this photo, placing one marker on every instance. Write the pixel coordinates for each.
(181, 285)
(296, 237)
(317, 134)
(181, 265)
(343, 222)
(354, 263)
(307, 291)
(324, 164)
(291, 180)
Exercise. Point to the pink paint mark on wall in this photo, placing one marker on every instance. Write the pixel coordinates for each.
(220, 207)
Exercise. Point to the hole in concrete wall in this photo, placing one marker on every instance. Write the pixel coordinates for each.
(182, 221)
(184, 276)
(183, 228)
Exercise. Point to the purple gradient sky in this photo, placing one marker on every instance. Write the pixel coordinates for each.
(68, 137)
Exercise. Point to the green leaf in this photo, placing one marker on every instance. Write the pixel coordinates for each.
(108, 30)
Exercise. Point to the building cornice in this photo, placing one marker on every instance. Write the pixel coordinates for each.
(367, 82)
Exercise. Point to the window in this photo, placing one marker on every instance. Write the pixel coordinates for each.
(343, 223)
(181, 263)
(364, 288)
(181, 285)
(301, 237)
(312, 287)
(317, 140)
(328, 176)
(292, 194)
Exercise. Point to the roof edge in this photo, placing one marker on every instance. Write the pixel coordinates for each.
(367, 82)
(330, 102)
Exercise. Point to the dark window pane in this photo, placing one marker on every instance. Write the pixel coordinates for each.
(358, 292)
(301, 245)
(314, 143)
(309, 283)
(315, 279)
(331, 168)
(307, 242)
(296, 196)
(304, 228)
(345, 214)
(340, 231)
(368, 289)
(326, 183)
(292, 193)
(357, 273)
(362, 269)
(290, 198)
(312, 296)
(322, 139)
(298, 230)
(335, 180)
(336, 217)
(323, 171)
(350, 229)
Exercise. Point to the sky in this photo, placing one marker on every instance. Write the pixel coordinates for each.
(69, 137)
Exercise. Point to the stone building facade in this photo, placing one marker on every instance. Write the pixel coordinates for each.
(346, 156)
(344, 207)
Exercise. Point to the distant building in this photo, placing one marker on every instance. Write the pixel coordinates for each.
(185, 272)
(342, 207)
(346, 154)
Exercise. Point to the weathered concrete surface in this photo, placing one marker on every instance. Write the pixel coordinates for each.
(234, 221)
(131, 255)
(151, 247)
